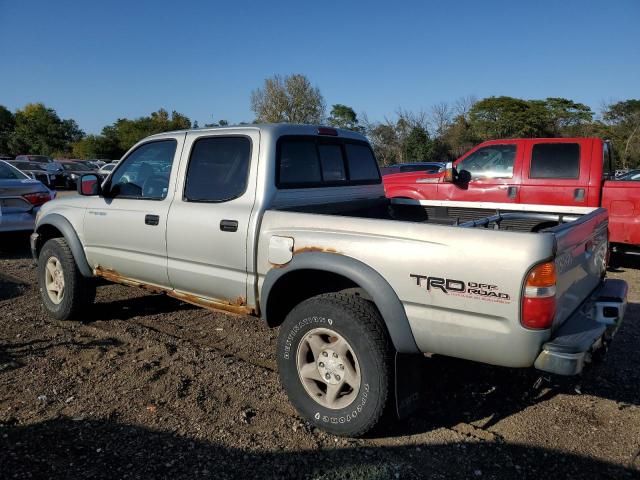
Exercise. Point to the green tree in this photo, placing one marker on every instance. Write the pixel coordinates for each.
(566, 117)
(39, 130)
(342, 116)
(95, 146)
(124, 133)
(458, 137)
(503, 117)
(288, 99)
(7, 124)
(417, 145)
(623, 122)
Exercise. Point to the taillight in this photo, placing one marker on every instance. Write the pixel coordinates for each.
(539, 300)
(37, 199)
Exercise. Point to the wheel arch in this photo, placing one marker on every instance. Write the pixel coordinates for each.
(313, 273)
(54, 226)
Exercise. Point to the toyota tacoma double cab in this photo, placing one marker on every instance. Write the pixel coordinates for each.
(290, 223)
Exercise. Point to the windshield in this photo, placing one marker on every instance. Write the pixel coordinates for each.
(27, 166)
(632, 175)
(109, 167)
(7, 172)
(38, 158)
(428, 168)
(72, 166)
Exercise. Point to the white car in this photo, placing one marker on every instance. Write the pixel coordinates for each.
(107, 169)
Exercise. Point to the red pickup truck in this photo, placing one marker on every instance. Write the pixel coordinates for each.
(540, 171)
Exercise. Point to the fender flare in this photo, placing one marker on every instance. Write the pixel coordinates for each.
(71, 237)
(382, 294)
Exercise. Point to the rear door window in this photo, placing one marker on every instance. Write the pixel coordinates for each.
(555, 160)
(218, 169)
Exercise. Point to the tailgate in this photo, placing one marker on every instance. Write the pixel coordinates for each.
(581, 252)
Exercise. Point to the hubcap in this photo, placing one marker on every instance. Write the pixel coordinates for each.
(54, 280)
(328, 368)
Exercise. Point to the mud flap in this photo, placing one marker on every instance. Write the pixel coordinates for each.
(409, 375)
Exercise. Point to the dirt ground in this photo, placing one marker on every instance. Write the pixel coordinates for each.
(149, 387)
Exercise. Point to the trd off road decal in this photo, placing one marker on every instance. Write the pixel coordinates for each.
(459, 288)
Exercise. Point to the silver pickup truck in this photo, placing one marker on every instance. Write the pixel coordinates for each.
(290, 223)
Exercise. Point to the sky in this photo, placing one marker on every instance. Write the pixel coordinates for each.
(96, 62)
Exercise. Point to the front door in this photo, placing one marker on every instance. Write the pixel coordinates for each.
(494, 173)
(125, 232)
(208, 222)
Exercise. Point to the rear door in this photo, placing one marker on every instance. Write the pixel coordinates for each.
(495, 174)
(125, 233)
(209, 219)
(556, 172)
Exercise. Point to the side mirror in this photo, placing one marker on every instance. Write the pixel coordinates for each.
(448, 173)
(89, 185)
(464, 177)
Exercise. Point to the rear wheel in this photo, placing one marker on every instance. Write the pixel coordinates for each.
(64, 291)
(334, 359)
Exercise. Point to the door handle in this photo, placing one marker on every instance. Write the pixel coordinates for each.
(512, 192)
(229, 225)
(578, 194)
(152, 219)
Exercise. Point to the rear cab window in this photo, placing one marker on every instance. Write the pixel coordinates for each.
(555, 160)
(312, 162)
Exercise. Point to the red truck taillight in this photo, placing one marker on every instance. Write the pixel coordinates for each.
(539, 300)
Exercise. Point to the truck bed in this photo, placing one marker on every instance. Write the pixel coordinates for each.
(487, 246)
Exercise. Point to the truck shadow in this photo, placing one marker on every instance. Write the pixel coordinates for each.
(12, 354)
(66, 448)
(14, 246)
(129, 308)
(624, 261)
(454, 391)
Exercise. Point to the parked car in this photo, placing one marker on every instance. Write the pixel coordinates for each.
(20, 199)
(107, 169)
(633, 175)
(37, 171)
(96, 163)
(290, 222)
(575, 172)
(427, 167)
(73, 170)
(5, 157)
(34, 158)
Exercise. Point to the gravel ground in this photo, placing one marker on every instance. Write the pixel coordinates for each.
(149, 387)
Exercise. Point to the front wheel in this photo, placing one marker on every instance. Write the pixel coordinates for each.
(64, 291)
(334, 359)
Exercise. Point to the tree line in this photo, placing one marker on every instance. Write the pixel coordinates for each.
(440, 133)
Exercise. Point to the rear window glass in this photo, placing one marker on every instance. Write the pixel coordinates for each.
(332, 163)
(362, 163)
(299, 163)
(317, 162)
(555, 160)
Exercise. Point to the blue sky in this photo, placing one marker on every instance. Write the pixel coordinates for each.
(97, 61)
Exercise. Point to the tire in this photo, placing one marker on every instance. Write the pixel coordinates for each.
(77, 292)
(358, 363)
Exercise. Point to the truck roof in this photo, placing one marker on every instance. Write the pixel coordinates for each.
(275, 129)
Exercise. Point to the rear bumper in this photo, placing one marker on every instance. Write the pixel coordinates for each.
(17, 222)
(587, 330)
